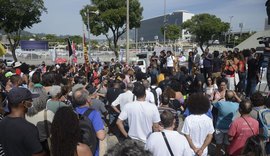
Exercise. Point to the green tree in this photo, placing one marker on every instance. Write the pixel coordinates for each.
(112, 19)
(76, 39)
(205, 27)
(173, 32)
(16, 15)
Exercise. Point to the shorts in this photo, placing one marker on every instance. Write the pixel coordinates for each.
(221, 137)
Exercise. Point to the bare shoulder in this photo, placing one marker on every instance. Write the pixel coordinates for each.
(83, 150)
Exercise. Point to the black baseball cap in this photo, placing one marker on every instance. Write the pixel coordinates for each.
(18, 94)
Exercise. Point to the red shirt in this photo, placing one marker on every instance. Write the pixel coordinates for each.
(240, 131)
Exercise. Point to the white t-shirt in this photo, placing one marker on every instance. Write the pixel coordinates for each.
(123, 99)
(170, 61)
(198, 127)
(182, 60)
(149, 96)
(178, 143)
(141, 115)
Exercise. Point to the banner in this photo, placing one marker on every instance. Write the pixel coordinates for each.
(74, 58)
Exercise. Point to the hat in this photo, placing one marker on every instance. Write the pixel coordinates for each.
(18, 94)
(9, 74)
(76, 87)
(17, 64)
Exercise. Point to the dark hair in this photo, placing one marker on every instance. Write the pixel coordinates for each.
(65, 132)
(128, 148)
(139, 90)
(257, 99)
(48, 79)
(212, 80)
(167, 118)
(198, 104)
(216, 54)
(219, 81)
(80, 80)
(36, 77)
(255, 145)
(245, 107)
(165, 99)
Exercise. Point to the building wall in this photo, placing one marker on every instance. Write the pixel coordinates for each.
(152, 27)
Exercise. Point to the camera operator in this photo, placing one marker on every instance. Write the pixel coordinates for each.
(253, 74)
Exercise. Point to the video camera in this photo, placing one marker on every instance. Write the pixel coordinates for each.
(264, 40)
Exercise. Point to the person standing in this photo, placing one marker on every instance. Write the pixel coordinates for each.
(198, 128)
(242, 128)
(17, 136)
(170, 62)
(252, 75)
(142, 116)
(168, 141)
(226, 112)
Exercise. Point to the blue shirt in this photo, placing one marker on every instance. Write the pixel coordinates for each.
(226, 113)
(96, 120)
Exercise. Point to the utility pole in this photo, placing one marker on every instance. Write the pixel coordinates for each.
(89, 43)
(165, 23)
(230, 30)
(127, 46)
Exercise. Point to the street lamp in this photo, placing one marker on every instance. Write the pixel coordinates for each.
(127, 40)
(164, 22)
(88, 24)
(230, 30)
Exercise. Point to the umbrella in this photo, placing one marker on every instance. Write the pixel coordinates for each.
(60, 60)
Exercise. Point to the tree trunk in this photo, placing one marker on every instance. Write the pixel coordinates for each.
(115, 48)
(13, 54)
(201, 46)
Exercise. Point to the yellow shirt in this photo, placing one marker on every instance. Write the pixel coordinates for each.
(160, 77)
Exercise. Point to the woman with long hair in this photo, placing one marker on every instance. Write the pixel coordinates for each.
(210, 88)
(65, 134)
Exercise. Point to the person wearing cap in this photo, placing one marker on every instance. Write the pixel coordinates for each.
(17, 136)
(17, 68)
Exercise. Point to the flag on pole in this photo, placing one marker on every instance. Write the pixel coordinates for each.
(74, 58)
(69, 47)
(85, 54)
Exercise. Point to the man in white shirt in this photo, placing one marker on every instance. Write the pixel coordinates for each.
(198, 128)
(170, 60)
(124, 98)
(177, 143)
(149, 95)
(142, 116)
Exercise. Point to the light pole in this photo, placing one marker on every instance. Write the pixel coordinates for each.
(88, 23)
(164, 40)
(230, 30)
(127, 46)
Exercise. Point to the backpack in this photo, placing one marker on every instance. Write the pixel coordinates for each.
(264, 121)
(88, 134)
(153, 90)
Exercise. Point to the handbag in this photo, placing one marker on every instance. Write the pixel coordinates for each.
(236, 78)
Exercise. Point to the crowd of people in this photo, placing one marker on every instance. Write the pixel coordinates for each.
(180, 107)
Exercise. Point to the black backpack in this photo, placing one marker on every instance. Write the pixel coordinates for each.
(153, 90)
(88, 134)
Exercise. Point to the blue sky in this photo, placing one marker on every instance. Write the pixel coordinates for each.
(63, 15)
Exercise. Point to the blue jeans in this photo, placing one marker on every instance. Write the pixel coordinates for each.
(251, 86)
